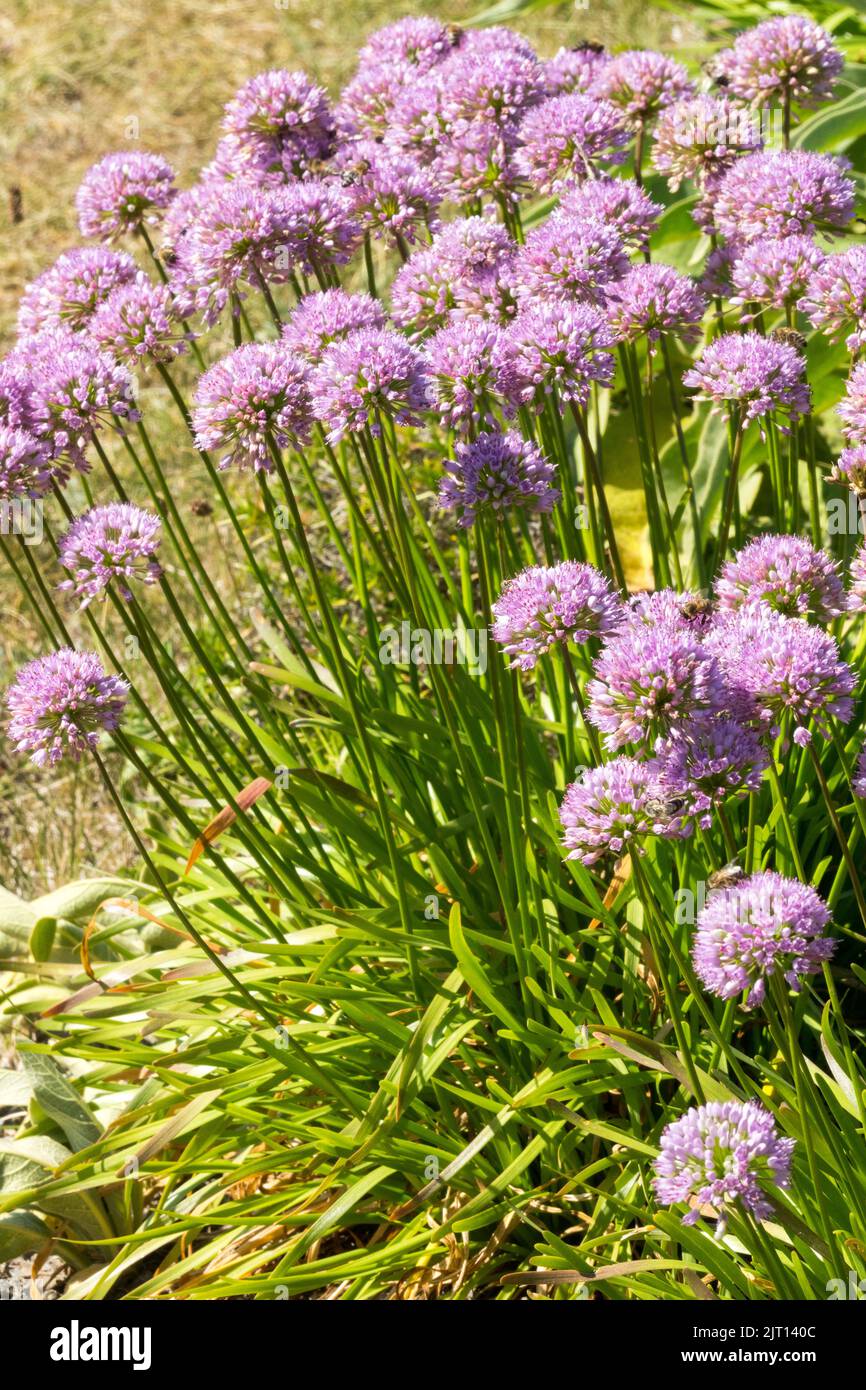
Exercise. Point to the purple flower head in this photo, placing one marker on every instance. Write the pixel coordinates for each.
(317, 223)
(774, 272)
(858, 783)
(489, 85)
(65, 295)
(27, 468)
(59, 705)
(460, 362)
(554, 345)
(391, 194)
(642, 83)
(701, 137)
(367, 101)
(716, 280)
(122, 192)
(499, 40)
(760, 375)
(781, 667)
(137, 321)
(786, 572)
(621, 203)
(324, 317)
(416, 42)
(764, 925)
(649, 680)
(545, 606)
(612, 807)
(722, 1155)
(370, 373)
(574, 69)
(15, 391)
(857, 597)
(569, 258)
(852, 407)
(417, 126)
(258, 394)
(75, 389)
(566, 139)
(835, 298)
(850, 469)
(788, 58)
(655, 301)
(110, 545)
(495, 472)
(461, 269)
(783, 193)
(711, 758)
(477, 163)
(689, 611)
(281, 121)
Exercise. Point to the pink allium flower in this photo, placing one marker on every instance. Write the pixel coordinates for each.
(122, 192)
(75, 389)
(281, 121)
(554, 346)
(370, 373)
(460, 270)
(574, 69)
(764, 925)
(711, 758)
(27, 468)
(642, 83)
(857, 596)
(788, 573)
(568, 258)
(858, 783)
(612, 808)
(722, 1155)
(852, 408)
(325, 316)
(790, 57)
(774, 273)
(65, 295)
(835, 298)
(115, 544)
(782, 667)
(566, 139)
(545, 606)
(460, 362)
(489, 83)
(478, 164)
(649, 680)
(138, 322)
(760, 375)
(701, 137)
(783, 193)
(392, 195)
(257, 395)
(688, 611)
(621, 203)
(60, 703)
(654, 301)
(850, 469)
(495, 472)
(417, 41)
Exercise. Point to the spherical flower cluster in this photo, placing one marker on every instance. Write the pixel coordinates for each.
(316, 225)
(790, 58)
(574, 69)
(256, 397)
(722, 1155)
(774, 273)
(762, 926)
(122, 192)
(701, 137)
(835, 298)
(712, 757)
(788, 573)
(27, 468)
(392, 196)
(370, 373)
(59, 704)
(649, 680)
(566, 139)
(324, 317)
(460, 270)
(852, 407)
(137, 321)
(417, 42)
(858, 783)
(619, 203)
(479, 165)
(495, 472)
(782, 667)
(689, 611)
(548, 605)
(487, 83)
(460, 363)
(760, 375)
(611, 808)
(783, 193)
(857, 595)
(850, 469)
(74, 389)
(281, 122)
(114, 544)
(65, 295)
(641, 83)
(567, 257)
(554, 346)
(653, 301)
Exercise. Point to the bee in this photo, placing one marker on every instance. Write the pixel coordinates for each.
(454, 33)
(695, 606)
(665, 807)
(200, 507)
(726, 877)
(709, 67)
(588, 46)
(791, 337)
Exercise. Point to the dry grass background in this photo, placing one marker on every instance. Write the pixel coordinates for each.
(79, 79)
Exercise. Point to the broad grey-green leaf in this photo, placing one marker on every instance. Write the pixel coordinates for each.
(59, 1099)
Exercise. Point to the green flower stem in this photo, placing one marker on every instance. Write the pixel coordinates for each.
(607, 520)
